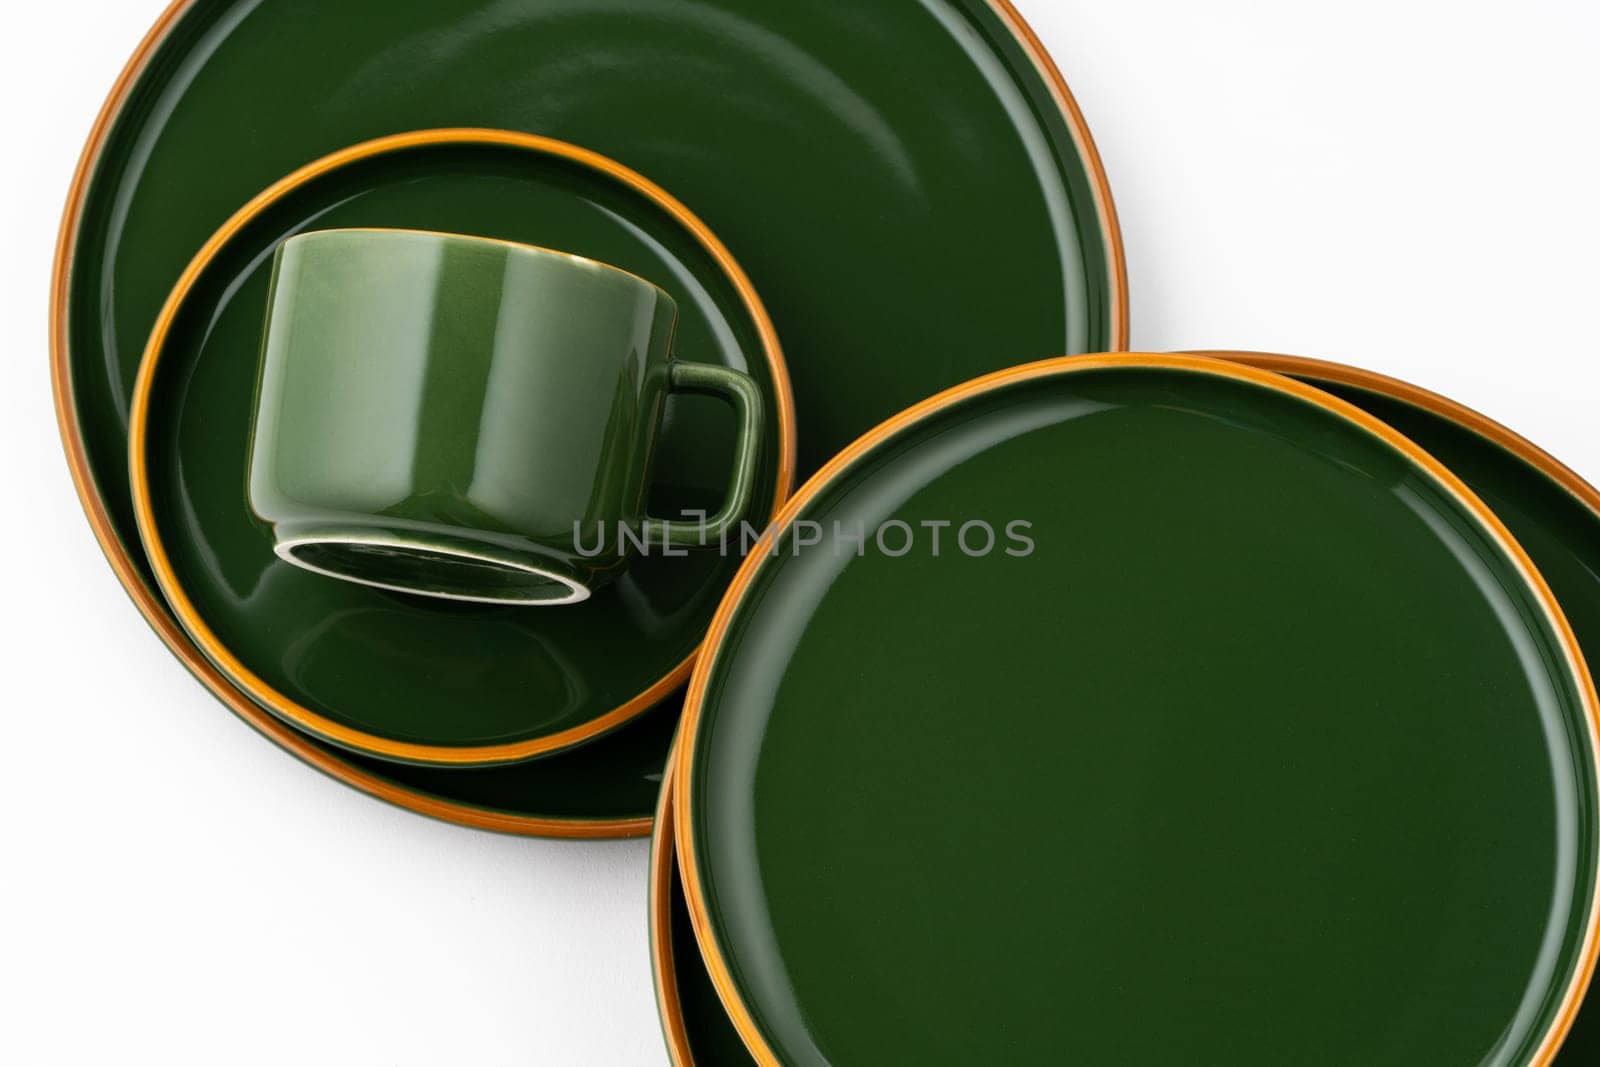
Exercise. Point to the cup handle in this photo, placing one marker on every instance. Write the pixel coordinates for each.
(739, 390)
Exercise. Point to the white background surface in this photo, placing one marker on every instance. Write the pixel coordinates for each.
(1408, 186)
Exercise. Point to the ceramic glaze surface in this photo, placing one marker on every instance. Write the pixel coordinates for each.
(1268, 753)
(606, 788)
(470, 419)
(838, 181)
(402, 668)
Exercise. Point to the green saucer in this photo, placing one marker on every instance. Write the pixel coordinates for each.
(903, 240)
(402, 677)
(1268, 746)
(1551, 511)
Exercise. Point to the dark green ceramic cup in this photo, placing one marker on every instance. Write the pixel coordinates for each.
(472, 419)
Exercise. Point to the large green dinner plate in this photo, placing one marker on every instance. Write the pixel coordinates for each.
(1553, 513)
(908, 183)
(1269, 746)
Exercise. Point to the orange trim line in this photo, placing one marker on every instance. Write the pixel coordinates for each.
(138, 473)
(663, 861)
(1478, 423)
(1105, 205)
(694, 704)
(149, 604)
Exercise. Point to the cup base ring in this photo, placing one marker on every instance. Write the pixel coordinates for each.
(441, 569)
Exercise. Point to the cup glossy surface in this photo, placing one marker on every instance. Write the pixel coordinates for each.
(465, 418)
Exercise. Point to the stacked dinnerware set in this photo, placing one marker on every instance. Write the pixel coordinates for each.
(578, 419)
